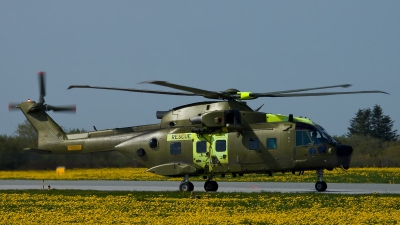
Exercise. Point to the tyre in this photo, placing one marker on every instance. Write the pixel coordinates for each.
(186, 186)
(211, 185)
(321, 186)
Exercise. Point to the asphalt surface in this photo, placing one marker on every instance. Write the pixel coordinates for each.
(245, 187)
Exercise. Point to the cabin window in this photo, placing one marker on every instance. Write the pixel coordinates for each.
(302, 138)
(175, 148)
(220, 145)
(201, 147)
(271, 143)
(253, 144)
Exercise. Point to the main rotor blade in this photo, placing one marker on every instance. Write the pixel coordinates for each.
(308, 89)
(201, 92)
(314, 94)
(135, 90)
(42, 87)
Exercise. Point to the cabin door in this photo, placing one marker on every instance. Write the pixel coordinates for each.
(303, 143)
(201, 149)
(254, 149)
(219, 153)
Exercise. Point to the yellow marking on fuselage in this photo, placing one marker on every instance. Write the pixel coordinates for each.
(271, 118)
(74, 147)
(184, 136)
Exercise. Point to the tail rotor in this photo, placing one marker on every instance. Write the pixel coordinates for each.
(40, 106)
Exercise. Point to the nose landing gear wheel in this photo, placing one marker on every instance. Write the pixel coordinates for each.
(321, 186)
(211, 185)
(186, 186)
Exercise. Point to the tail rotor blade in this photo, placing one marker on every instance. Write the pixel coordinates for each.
(34, 107)
(42, 87)
(67, 108)
(12, 106)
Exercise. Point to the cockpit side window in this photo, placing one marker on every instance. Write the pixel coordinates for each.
(302, 138)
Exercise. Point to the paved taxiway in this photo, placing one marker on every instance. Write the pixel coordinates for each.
(283, 187)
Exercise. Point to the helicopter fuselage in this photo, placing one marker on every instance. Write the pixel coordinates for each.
(206, 138)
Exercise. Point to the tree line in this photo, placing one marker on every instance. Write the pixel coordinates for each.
(370, 133)
(373, 139)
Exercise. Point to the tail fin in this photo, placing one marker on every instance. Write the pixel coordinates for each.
(48, 130)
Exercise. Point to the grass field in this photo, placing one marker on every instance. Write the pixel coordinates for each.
(96, 207)
(353, 175)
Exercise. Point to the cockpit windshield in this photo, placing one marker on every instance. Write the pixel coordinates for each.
(317, 133)
(322, 135)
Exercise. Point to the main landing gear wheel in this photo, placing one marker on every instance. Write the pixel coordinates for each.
(186, 186)
(321, 186)
(211, 185)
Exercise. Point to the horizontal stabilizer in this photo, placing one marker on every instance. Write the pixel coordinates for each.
(35, 150)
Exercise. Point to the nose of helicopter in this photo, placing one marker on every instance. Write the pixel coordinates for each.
(344, 155)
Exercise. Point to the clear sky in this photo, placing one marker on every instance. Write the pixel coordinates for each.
(257, 46)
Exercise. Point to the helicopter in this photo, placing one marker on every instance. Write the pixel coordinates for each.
(210, 138)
